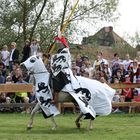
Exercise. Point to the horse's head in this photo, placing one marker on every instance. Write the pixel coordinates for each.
(33, 64)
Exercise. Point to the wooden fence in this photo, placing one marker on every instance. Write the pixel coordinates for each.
(62, 105)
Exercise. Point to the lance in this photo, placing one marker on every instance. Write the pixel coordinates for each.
(63, 27)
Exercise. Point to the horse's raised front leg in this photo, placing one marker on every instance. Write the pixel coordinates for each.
(30, 124)
(54, 123)
(77, 122)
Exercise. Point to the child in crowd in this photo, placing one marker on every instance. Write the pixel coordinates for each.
(127, 92)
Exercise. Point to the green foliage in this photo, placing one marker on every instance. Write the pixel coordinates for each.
(108, 52)
(23, 19)
(125, 49)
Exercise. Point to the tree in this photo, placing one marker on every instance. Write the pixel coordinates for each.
(22, 19)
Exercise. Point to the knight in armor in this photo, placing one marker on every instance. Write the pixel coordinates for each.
(61, 68)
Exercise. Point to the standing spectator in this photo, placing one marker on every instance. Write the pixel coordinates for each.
(127, 62)
(5, 56)
(99, 59)
(127, 92)
(106, 69)
(133, 68)
(26, 51)
(34, 47)
(14, 55)
(115, 63)
(16, 75)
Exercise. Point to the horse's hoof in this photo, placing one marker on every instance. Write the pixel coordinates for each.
(29, 128)
(78, 125)
(90, 128)
(54, 128)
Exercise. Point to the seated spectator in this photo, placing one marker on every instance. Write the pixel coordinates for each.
(2, 78)
(133, 67)
(3, 70)
(117, 97)
(128, 91)
(75, 69)
(96, 75)
(4, 99)
(122, 69)
(85, 74)
(16, 75)
(107, 71)
(79, 60)
(118, 76)
(118, 93)
(102, 79)
(88, 68)
(21, 96)
(10, 95)
(84, 59)
(136, 92)
(138, 71)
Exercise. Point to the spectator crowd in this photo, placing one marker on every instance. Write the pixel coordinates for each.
(113, 71)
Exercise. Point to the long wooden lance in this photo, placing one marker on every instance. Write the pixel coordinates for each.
(65, 25)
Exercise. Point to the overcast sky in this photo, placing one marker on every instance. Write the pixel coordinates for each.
(129, 21)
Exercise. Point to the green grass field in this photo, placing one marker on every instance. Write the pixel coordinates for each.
(112, 127)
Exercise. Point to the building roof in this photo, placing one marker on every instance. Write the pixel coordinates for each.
(106, 37)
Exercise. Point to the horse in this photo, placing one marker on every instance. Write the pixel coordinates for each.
(43, 92)
(93, 97)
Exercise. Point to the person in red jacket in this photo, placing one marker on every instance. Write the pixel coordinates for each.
(127, 92)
